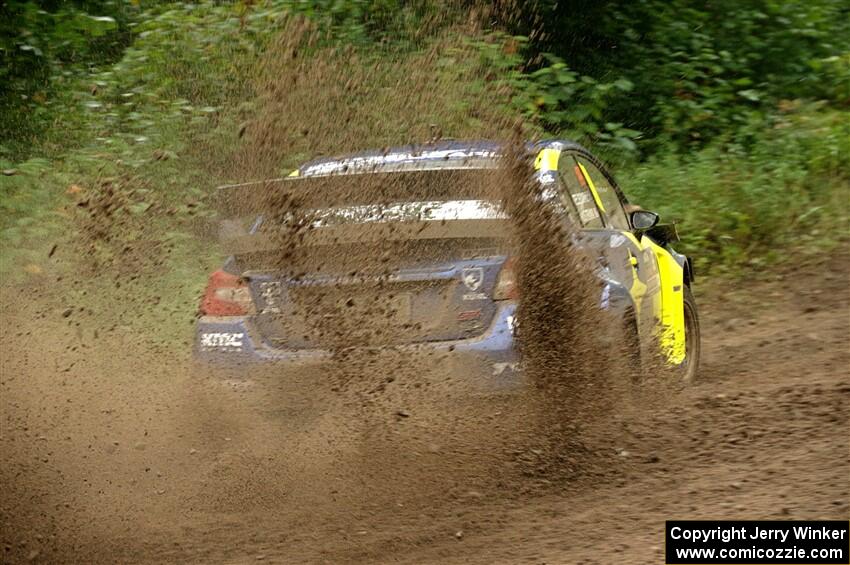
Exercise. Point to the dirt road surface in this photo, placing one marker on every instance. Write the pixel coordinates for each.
(112, 451)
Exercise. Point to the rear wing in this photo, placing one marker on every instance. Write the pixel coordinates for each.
(380, 187)
(361, 208)
(368, 234)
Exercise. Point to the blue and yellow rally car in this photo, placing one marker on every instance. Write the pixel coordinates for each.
(294, 288)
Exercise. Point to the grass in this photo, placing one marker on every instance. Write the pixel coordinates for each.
(753, 203)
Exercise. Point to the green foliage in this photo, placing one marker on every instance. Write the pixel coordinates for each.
(185, 75)
(193, 55)
(42, 49)
(554, 97)
(186, 62)
(561, 100)
(700, 70)
(783, 187)
(127, 121)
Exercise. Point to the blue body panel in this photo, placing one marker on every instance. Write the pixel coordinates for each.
(231, 342)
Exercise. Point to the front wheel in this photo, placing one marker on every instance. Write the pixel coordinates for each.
(689, 367)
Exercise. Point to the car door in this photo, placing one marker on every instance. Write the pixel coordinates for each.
(631, 261)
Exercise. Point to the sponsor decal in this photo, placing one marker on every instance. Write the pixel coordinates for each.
(582, 199)
(617, 240)
(344, 280)
(589, 215)
(370, 162)
(469, 315)
(475, 296)
(221, 340)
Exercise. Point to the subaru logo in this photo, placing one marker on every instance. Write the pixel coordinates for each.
(473, 277)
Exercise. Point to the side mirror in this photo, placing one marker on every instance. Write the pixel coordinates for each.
(644, 219)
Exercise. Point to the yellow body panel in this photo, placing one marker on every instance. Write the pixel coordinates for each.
(547, 160)
(672, 304)
(638, 289)
(632, 237)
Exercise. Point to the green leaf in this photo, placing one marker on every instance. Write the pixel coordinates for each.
(750, 94)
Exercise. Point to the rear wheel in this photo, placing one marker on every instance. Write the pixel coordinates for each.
(690, 365)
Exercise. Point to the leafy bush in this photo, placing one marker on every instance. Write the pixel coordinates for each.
(699, 70)
(553, 97)
(41, 53)
(742, 203)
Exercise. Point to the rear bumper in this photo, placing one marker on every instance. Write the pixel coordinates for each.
(230, 342)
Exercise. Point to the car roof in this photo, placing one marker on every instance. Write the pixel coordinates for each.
(449, 154)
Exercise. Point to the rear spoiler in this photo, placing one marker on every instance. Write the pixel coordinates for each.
(369, 233)
(277, 195)
(296, 198)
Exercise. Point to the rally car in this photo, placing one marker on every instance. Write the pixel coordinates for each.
(450, 285)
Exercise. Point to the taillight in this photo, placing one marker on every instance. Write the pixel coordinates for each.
(506, 285)
(226, 295)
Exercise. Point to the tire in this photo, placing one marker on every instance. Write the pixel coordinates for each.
(690, 366)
